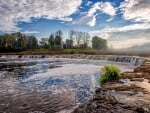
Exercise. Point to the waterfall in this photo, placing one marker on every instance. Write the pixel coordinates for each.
(134, 60)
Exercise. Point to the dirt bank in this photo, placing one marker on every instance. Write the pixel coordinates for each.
(77, 51)
(130, 94)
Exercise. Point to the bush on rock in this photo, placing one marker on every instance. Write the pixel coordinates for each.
(109, 73)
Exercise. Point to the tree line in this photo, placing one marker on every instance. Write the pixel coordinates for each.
(76, 40)
(17, 41)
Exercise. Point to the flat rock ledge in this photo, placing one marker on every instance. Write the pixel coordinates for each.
(130, 94)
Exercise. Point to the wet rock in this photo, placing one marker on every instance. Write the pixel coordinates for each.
(111, 100)
(54, 66)
(142, 110)
(97, 90)
(137, 79)
(19, 56)
(43, 56)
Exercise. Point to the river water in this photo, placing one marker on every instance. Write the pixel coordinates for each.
(48, 85)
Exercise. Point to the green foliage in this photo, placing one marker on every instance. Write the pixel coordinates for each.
(69, 43)
(32, 42)
(58, 40)
(99, 43)
(55, 40)
(108, 73)
(52, 41)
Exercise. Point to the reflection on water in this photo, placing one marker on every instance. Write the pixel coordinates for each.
(47, 85)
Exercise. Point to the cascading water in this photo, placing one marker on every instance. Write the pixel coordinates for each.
(37, 83)
(134, 60)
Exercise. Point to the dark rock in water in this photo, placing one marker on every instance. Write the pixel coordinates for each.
(137, 79)
(19, 56)
(98, 90)
(43, 56)
(54, 66)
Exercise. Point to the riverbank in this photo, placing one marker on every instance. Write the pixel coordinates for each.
(130, 94)
(78, 51)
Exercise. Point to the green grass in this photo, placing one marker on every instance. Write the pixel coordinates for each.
(109, 73)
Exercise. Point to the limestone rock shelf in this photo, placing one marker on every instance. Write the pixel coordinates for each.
(130, 94)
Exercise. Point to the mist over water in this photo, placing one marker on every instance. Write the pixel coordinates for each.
(48, 85)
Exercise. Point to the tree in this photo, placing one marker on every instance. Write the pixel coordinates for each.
(17, 41)
(2, 42)
(59, 33)
(78, 38)
(32, 42)
(81, 38)
(20, 40)
(44, 43)
(69, 43)
(86, 37)
(58, 39)
(71, 33)
(99, 43)
(52, 41)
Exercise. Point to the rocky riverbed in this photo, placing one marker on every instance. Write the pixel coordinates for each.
(130, 94)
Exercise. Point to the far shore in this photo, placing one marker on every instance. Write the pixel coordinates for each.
(77, 51)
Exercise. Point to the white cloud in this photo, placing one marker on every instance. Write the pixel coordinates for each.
(104, 7)
(119, 44)
(107, 31)
(92, 22)
(88, 3)
(132, 27)
(14, 11)
(126, 36)
(137, 10)
(65, 19)
(30, 32)
(90, 17)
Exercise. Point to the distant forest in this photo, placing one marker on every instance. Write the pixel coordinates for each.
(77, 40)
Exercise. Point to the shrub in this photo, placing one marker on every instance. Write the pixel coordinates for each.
(108, 73)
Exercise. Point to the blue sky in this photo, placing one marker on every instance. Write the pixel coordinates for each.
(124, 23)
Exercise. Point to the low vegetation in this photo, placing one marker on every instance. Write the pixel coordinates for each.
(109, 73)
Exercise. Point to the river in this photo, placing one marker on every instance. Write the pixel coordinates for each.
(48, 85)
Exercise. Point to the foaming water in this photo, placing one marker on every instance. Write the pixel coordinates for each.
(48, 85)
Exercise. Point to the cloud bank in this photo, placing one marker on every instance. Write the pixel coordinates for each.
(136, 10)
(14, 11)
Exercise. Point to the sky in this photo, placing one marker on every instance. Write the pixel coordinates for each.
(124, 23)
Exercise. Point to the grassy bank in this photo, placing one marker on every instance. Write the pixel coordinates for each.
(77, 51)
